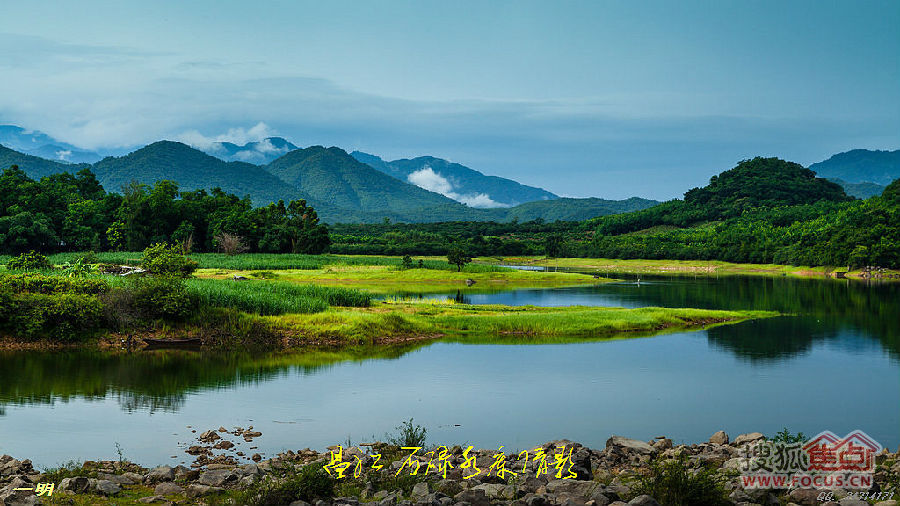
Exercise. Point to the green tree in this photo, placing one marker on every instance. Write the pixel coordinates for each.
(459, 257)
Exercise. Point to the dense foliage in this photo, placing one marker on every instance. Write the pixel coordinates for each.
(763, 211)
(72, 212)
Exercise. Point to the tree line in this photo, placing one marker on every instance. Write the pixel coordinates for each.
(73, 212)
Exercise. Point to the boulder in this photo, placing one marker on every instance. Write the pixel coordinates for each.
(628, 445)
(719, 438)
(752, 437)
(161, 473)
(106, 487)
(168, 488)
(217, 477)
(473, 497)
(643, 500)
(77, 484)
(419, 491)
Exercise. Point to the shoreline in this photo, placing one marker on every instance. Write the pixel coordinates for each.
(694, 268)
(624, 470)
(390, 323)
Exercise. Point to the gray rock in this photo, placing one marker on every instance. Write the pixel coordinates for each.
(299, 503)
(153, 499)
(77, 484)
(197, 490)
(106, 487)
(419, 491)
(161, 473)
(536, 500)
(852, 501)
(719, 438)
(9, 495)
(117, 478)
(473, 497)
(577, 488)
(629, 445)
(748, 438)
(492, 490)
(168, 488)
(887, 503)
(643, 500)
(217, 477)
(389, 500)
(449, 487)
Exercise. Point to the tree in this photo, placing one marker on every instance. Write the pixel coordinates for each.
(230, 244)
(458, 257)
(164, 260)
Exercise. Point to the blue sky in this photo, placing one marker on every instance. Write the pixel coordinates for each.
(607, 99)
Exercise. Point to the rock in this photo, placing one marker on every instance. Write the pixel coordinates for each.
(217, 477)
(536, 500)
(419, 491)
(256, 457)
(133, 477)
(299, 503)
(852, 501)
(449, 487)
(643, 500)
(223, 445)
(118, 478)
(154, 499)
(197, 490)
(473, 497)
(470, 282)
(77, 484)
(578, 488)
(9, 494)
(388, 500)
(168, 488)
(161, 473)
(492, 490)
(628, 445)
(748, 438)
(106, 487)
(209, 436)
(719, 438)
(805, 496)
(887, 503)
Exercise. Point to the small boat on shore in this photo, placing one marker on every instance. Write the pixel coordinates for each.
(172, 343)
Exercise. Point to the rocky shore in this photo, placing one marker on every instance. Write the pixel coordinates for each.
(615, 475)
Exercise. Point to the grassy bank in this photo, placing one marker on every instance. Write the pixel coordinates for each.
(612, 266)
(388, 279)
(398, 321)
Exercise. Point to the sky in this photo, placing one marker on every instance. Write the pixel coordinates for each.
(589, 99)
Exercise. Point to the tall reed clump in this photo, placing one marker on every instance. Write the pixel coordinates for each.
(273, 298)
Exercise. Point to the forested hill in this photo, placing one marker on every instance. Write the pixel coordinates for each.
(765, 210)
(339, 187)
(457, 181)
(193, 170)
(861, 165)
(34, 166)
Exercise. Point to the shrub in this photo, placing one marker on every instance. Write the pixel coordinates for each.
(164, 260)
(408, 435)
(33, 282)
(64, 316)
(31, 261)
(673, 483)
(230, 244)
(306, 484)
(163, 297)
(786, 437)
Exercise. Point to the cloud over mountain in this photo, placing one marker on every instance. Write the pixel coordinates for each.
(430, 180)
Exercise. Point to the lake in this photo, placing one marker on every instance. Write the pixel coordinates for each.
(834, 364)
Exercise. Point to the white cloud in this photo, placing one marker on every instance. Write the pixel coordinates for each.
(63, 154)
(430, 180)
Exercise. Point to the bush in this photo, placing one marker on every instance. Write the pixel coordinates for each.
(65, 316)
(673, 483)
(408, 435)
(306, 484)
(31, 261)
(164, 297)
(164, 260)
(33, 282)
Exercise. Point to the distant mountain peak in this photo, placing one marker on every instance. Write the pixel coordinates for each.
(861, 166)
(259, 152)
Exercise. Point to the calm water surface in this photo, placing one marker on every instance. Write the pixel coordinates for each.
(835, 366)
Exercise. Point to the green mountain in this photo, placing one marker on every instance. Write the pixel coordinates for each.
(338, 180)
(34, 166)
(859, 190)
(193, 170)
(340, 188)
(457, 181)
(861, 165)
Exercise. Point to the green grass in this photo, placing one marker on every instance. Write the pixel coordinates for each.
(524, 323)
(276, 261)
(273, 297)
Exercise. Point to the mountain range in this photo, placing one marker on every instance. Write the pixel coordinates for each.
(361, 187)
(338, 186)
